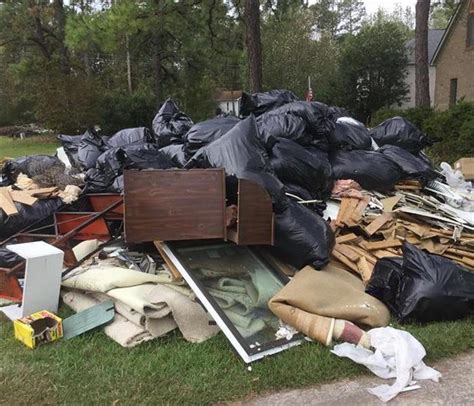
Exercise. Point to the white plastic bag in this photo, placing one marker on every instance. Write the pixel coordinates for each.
(397, 355)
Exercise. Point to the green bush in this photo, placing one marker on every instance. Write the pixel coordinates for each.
(416, 115)
(127, 110)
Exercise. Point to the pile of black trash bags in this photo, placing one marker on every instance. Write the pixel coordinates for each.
(293, 148)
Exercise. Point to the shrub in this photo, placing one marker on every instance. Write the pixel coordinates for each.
(416, 115)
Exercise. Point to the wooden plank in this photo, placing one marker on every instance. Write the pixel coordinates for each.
(378, 245)
(365, 269)
(345, 201)
(385, 253)
(347, 220)
(169, 205)
(359, 210)
(378, 223)
(6, 202)
(42, 191)
(343, 259)
(457, 251)
(22, 197)
(389, 203)
(346, 238)
(365, 254)
(346, 251)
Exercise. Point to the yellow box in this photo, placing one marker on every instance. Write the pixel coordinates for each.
(38, 328)
(466, 166)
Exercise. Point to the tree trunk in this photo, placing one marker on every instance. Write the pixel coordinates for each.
(158, 76)
(129, 65)
(254, 43)
(60, 17)
(422, 78)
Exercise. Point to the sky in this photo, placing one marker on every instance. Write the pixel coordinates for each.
(372, 5)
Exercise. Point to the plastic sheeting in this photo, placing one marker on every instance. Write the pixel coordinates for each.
(205, 132)
(259, 103)
(397, 355)
(400, 132)
(424, 287)
(170, 124)
(305, 167)
(372, 170)
(130, 136)
(90, 148)
(175, 153)
(302, 237)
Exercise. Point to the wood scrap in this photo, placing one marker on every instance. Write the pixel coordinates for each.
(378, 245)
(346, 238)
(365, 270)
(390, 202)
(20, 196)
(346, 261)
(347, 251)
(174, 271)
(375, 225)
(6, 202)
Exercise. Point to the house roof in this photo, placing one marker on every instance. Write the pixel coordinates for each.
(448, 30)
(228, 95)
(434, 38)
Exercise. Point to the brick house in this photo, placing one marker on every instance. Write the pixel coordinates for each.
(454, 59)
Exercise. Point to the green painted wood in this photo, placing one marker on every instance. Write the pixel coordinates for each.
(88, 319)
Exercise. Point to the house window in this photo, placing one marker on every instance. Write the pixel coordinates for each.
(470, 30)
(453, 92)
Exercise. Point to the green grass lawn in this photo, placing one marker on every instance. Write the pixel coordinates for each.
(14, 147)
(93, 369)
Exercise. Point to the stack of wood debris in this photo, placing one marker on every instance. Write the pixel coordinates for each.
(372, 226)
(9, 196)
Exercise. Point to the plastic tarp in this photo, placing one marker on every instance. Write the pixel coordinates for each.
(350, 134)
(400, 132)
(241, 153)
(302, 237)
(90, 148)
(205, 132)
(170, 124)
(27, 215)
(372, 170)
(425, 288)
(130, 136)
(306, 167)
(410, 165)
(306, 123)
(259, 103)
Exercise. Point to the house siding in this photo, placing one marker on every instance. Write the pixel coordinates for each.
(455, 61)
(409, 102)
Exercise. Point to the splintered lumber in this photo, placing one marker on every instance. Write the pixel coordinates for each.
(378, 223)
(346, 261)
(346, 238)
(356, 215)
(390, 202)
(365, 254)
(347, 251)
(6, 202)
(43, 192)
(379, 245)
(385, 253)
(343, 210)
(463, 253)
(23, 197)
(365, 270)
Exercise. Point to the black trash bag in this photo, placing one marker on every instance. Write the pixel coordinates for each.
(433, 288)
(303, 122)
(400, 132)
(302, 237)
(411, 166)
(175, 152)
(205, 132)
(130, 136)
(372, 170)
(423, 287)
(308, 168)
(302, 194)
(90, 148)
(350, 134)
(70, 143)
(385, 281)
(9, 259)
(146, 156)
(259, 103)
(27, 215)
(170, 124)
(31, 166)
(241, 153)
(98, 181)
(335, 112)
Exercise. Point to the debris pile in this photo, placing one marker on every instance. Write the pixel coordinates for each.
(233, 207)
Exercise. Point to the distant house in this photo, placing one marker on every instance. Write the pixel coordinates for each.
(434, 38)
(454, 59)
(228, 101)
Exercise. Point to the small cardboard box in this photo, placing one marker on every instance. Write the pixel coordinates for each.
(466, 166)
(38, 328)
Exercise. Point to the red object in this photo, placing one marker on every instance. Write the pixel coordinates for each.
(309, 95)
